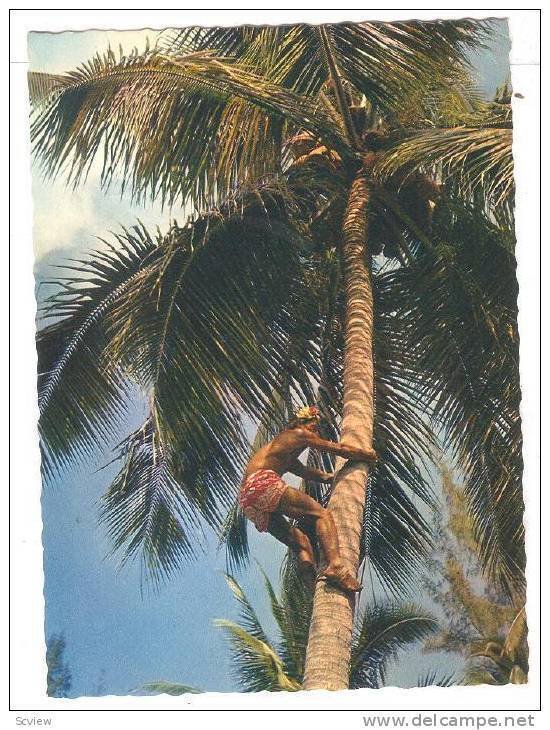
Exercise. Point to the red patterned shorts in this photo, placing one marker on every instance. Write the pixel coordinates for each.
(260, 495)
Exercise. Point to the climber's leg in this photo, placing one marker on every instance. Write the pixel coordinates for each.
(297, 541)
(296, 504)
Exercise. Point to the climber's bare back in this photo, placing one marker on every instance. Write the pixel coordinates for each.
(279, 454)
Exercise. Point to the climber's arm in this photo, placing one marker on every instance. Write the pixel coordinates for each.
(306, 472)
(339, 449)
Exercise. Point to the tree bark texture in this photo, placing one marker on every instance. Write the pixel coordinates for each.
(329, 645)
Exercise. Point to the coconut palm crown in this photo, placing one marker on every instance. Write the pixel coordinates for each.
(322, 250)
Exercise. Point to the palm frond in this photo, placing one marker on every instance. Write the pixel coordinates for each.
(382, 60)
(209, 301)
(128, 111)
(472, 158)
(381, 632)
(397, 537)
(248, 618)
(292, 612)
(256, 665)
(147, 512)
(450, 98)
(81, 400)
(459, 304)
(233, 536)
(229, 42)
(260, 664)
(44, 87)
(432, 678)
(218, 322)
(379, 60)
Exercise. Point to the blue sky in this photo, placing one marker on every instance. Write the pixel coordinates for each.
(117, 639)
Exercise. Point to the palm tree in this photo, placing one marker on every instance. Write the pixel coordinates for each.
(381, 632)
(504, 661)
(276, 223)
(481, 622)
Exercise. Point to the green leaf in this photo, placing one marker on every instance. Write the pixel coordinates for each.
(381, 632)
(458, 313)
(248, 618)
(380, 60)
(148, 513)
(257, 665)
(82, 400)
(475, 159)
(127, 112)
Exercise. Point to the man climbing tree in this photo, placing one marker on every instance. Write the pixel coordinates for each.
(266, 499)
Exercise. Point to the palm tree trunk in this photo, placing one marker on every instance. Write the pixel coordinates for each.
(329, 645)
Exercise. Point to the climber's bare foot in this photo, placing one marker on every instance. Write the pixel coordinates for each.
(339, 576)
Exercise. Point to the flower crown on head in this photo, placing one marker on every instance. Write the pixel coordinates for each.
(308, 413)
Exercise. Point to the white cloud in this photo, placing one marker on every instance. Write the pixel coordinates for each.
(60, 216)
(66, 218)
